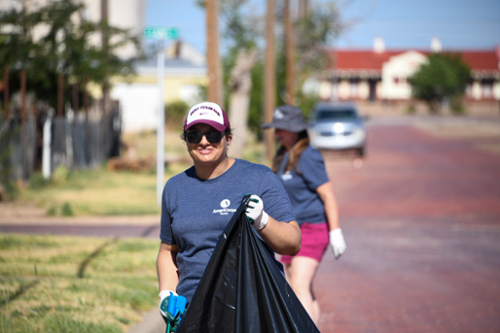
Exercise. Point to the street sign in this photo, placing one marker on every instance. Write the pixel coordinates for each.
(152, 32)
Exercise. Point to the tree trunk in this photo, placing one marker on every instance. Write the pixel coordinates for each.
(269, 79)
(105, 46)
(303, 8)
(213, 59)
(241, 84)
(290, 55)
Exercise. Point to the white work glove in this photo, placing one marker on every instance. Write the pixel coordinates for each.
(255, 212)
(337, 242)
(164, 297)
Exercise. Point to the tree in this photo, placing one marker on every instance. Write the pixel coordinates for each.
(244, 31)
(314, 31)
(63, 49)
(443, 78)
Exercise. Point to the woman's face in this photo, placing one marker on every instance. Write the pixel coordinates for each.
(204, 152)
(286, 138)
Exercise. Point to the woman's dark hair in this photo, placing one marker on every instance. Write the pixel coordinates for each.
(298, 147)
(227, 132)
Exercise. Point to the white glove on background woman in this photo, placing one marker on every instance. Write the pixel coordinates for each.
(255, 212)
(337, 242)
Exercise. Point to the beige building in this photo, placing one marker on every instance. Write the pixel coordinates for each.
(185, 70)
(382, 75)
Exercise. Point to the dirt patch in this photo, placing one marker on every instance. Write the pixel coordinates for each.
(21, 210)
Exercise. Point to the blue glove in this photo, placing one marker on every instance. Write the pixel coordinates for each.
(172, 308)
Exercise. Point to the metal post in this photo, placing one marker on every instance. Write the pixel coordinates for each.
(46, 153)
(160, 166)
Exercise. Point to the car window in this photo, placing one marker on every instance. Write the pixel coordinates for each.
(338, 114)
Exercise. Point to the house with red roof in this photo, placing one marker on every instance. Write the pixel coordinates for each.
(380, 74)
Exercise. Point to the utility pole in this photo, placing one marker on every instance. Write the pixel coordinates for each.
(290, 53)
(160, 129)
(269, 79)
(213, 59)
(303, 8)
(105, 48)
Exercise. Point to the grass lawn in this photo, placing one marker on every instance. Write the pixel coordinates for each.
(103, 192)
(75, 284)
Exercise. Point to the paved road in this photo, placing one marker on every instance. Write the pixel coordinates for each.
(422, 220)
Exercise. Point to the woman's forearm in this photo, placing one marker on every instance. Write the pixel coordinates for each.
(282, 237)
(326, 194)
(166, 267)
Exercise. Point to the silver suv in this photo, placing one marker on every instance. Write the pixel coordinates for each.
(337, 126)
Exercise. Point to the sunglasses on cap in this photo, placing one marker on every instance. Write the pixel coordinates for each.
(196, 136)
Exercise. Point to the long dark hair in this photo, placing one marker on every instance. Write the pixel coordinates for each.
(298, 147)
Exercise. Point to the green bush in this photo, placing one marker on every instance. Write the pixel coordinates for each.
(175, 112)
(67, 210)
(410, 109)
(37, 181)
(52, 211)
(60, 174)
(456, 106)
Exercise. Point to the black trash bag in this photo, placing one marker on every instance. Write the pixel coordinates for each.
(243, 290)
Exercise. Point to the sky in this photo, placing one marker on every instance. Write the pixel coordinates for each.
(459, 24)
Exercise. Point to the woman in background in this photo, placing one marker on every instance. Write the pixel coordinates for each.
(301, 170)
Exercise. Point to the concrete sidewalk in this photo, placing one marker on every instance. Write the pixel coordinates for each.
(28, 213)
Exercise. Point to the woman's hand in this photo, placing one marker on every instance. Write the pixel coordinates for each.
(282, 237)
(255, 212)
(337, 242)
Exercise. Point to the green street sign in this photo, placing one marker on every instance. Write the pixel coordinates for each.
(161, 32)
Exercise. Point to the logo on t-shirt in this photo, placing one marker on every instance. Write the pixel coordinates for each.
(286, 176)
(224, 211)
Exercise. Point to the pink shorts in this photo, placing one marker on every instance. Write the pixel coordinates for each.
(315, 240)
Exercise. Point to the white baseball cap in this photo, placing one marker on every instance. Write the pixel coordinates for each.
(207, 113)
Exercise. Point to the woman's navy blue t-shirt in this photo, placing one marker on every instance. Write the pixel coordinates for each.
(301, 187)
(195, 213)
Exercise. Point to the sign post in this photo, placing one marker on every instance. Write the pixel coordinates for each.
(160, 34)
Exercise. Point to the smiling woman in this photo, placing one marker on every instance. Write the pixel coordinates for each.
(198, 203)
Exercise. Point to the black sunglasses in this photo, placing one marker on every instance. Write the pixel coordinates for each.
(212, 136)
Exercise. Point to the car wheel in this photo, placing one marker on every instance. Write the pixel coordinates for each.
(360, 151)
